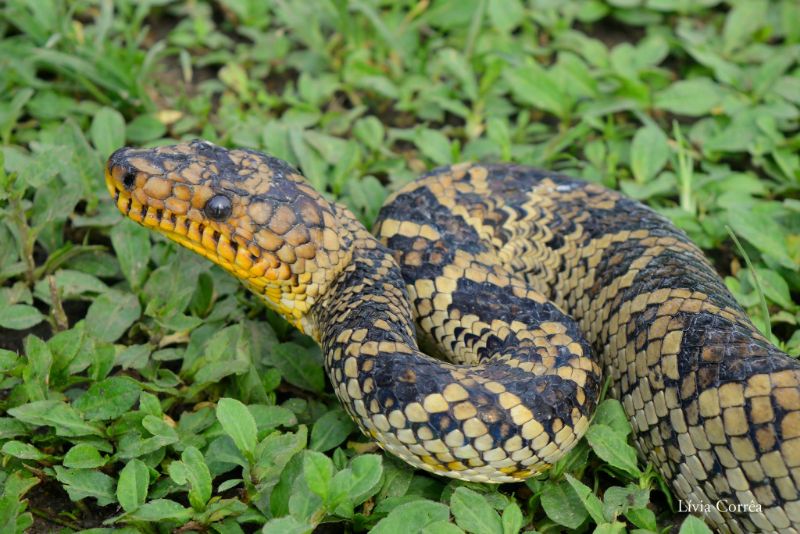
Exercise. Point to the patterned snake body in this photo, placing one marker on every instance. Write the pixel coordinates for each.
(515, 278)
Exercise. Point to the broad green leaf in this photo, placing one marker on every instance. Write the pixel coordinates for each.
(19, 316)
(238, 423)
(82, 483)
(434, 145)
(649, 153)
(145, 128)
(269, 417)
(23, 451)
(61, 416)
(134, 480)
(159, 427)
(108, 131)
(742, 21)
(533, 85)
(512, 519)
(37, 371)
(610, 528)
(441, 527)
(764, 233)
(192, 470)
(562, 504)
(161, 510)
(299, 365)
(590, 501)
(366, 471)
(618, 500)
(692, 97)
(109, 398)
(412, 517)
(318, 471)
(131, 244)
(286, 525)
(612, 446)
(694, 525)
(331, 430)
(111, 314)
(83, 456)
(643, 518)
(505, 14)
(611, 413)
(473, 513)
(304, 504)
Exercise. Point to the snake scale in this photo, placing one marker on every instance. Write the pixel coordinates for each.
(525, 284)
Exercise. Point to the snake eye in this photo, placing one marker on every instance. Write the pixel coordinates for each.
(128, 180)
(218, 208)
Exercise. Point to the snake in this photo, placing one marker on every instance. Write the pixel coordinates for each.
(470, 333)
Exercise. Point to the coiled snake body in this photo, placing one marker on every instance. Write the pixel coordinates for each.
(525, 284)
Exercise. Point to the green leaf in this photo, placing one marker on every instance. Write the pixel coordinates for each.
(512, 519)
(36, 374)
(161, 510)
(107, 131)
(23, 451)
(145, 128)
(649, 153)
(331, 430)
(618, 500)
(775, 288)
(83, 456)
(366, 471)
(83, 483)
(531, 84)
(239, 424)
(473, 513)
(643, 518)
(286, 525)
(412, 517)
(610, 528)
(269, 417)
(111, 314)
(192, 470)
(764, 233)
(590, 501)
(131, 244)
(304, 504)
(318, 471)
(109, 398)
(612, 446)
(159, 427)
(505, 14)
(694, 97)
(611, 413)
(19, 316)
(441, 527)
(300, 366)
(562, 504)
(134, 480)
(434, 145)
(742, 21)
(694, 525)
(61, 416)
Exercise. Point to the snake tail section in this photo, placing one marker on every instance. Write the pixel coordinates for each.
(523, 284)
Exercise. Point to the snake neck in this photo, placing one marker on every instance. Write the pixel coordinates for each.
(367, 294)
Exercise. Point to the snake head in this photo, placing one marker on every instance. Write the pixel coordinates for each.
(252, 214)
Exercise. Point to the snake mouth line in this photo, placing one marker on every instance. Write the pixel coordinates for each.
(197, 236)
(263, 274)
